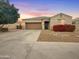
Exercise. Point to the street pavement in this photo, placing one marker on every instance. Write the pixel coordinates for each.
(23, 44)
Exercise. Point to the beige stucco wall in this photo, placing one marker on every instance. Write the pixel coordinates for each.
(23, 25)
(12, 26)
(77, 27)
(54, 20)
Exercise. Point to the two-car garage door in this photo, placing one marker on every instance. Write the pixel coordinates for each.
(35, 25)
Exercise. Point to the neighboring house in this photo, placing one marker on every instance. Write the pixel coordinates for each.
(60, 19)
(76, 23)
(37, 23)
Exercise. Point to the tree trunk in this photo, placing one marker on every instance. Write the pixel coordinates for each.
(1, 27)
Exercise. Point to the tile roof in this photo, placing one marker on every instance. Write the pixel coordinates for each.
(61, 15)
(38, 18)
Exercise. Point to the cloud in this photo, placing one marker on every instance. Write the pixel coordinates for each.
(39, 13)
(22, 5)
(35, 14)
(27, 11)
(28, 8)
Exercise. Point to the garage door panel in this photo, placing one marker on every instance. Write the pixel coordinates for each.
(33, 26)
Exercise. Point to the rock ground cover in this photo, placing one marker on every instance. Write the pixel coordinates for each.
(51, 36)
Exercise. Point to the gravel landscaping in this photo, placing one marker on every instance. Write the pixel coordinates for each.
(51, 36)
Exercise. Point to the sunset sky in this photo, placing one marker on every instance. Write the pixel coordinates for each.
(35, 8)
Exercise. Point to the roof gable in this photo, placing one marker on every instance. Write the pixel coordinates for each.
(61, 14)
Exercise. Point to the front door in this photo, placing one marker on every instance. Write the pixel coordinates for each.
(46, 25)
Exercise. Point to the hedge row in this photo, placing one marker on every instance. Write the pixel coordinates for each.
(64, 28)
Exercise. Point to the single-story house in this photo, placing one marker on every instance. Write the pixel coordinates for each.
(76, 23)
(37, 23)
(47, 22)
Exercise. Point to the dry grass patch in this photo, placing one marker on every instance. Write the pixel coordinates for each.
(50, 36)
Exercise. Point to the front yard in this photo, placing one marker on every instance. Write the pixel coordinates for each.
(50, 36)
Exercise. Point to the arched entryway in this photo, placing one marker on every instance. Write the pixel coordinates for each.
(46, 25)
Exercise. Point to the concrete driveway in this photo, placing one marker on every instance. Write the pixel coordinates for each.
(17, 45)
(24, 45)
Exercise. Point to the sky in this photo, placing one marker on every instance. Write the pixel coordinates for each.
(37, 8)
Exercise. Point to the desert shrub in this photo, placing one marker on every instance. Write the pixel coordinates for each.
(64, 28)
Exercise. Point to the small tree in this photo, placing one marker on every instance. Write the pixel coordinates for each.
(8, 14)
